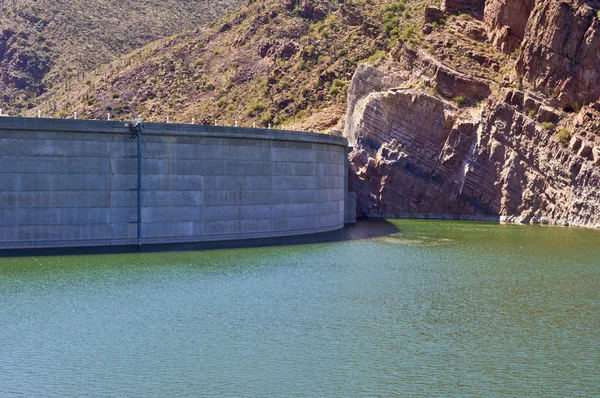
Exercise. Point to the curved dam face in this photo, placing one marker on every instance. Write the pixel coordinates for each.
(68, 183)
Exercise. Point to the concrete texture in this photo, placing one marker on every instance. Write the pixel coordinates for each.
(67, 183)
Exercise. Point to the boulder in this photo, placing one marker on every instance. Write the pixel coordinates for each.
(547, 114)
(507, 20)
(433, 14)
(474, 7)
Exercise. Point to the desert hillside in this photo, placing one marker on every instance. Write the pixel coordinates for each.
(271, 62)
(48, 43)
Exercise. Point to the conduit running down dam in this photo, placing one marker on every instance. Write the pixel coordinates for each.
(73, 183)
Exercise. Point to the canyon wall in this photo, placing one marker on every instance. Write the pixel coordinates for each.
(457, 126)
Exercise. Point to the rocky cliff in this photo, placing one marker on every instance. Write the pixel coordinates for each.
(560, 53)
(494, 114)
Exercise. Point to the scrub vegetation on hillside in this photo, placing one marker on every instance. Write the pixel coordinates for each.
(46, 44)
(268, 63)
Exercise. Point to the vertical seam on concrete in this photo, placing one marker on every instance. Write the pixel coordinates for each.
(110, 192)
(271, 204)
(202, 187)
(314, 148)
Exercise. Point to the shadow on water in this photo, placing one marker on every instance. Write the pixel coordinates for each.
(363, 229)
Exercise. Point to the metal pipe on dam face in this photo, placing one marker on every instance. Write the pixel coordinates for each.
(73, 183)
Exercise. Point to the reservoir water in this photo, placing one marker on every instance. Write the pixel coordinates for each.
(400, 308)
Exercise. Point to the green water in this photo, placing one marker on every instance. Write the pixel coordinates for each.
(435, 309)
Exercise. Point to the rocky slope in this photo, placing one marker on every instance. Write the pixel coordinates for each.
(46, 43)
(268, 63)
(493, 115)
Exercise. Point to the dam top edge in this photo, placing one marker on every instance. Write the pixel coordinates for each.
(166, 129)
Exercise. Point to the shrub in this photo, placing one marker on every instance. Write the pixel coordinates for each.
(317, 26)
(280, 120)
(460, 100)
(397, 6)
(391, 23)
(548, 126)
(115, 95)
(301, 65)
(257, 107)
(285, 84)
(337, 87)
(388, 16)
(409, 33)
(267, 119)
(339, 83)
(439, 23)
(198, 63)
(376, 56)
(531, 113)
(221, 102)
(563, 135)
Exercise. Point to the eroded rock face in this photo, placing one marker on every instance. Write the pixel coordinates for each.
(507, 21)
(561, 51)
(463, 6)
(448, 82)
(559, 44)
(417, 155)
(526, 146)
(370, 82)
(20, 69)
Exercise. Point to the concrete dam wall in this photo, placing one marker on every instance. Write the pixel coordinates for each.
(69, 183)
